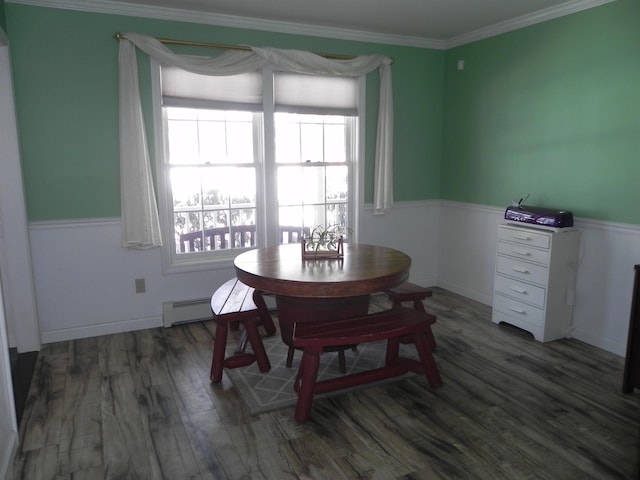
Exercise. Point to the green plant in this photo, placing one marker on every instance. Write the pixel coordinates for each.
(325, 237)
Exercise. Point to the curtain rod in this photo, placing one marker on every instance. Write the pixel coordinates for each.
(168, 41)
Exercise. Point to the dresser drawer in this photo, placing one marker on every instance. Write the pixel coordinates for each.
(524, 237)
(524, 252)
(521, 291)
(519, 311)
(526, 271)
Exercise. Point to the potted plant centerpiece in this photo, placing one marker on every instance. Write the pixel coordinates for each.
(324, 242)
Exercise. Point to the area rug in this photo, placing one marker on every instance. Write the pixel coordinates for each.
(263, 392)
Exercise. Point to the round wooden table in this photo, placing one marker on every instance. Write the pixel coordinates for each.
(364, 269)
(322, 289)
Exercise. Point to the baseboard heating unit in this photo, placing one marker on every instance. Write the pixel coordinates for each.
(184, 311)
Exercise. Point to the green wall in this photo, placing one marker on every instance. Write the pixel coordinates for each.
(3, 20)
(65, 72)
(552, 110)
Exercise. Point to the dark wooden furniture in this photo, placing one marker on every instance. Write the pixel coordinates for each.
(632, 360)
(324, 289)
(234, 302)
(390, 325)
(320, 294)
(410, 292)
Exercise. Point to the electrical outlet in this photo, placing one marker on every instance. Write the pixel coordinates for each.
(140, 286)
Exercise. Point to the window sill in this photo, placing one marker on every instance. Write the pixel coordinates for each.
(195, 264)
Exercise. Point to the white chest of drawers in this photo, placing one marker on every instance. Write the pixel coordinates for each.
(534, 283)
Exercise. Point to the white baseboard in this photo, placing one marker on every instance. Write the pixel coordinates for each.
(468, 293)
(617, 348)
(100, 329)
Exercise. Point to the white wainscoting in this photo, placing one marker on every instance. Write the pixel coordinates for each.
(608, 253)
(85, 281)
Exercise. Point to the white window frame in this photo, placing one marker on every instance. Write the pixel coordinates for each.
(268, 232)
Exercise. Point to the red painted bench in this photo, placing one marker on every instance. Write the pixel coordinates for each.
(392, 325)
(410, 292)
(236, 303)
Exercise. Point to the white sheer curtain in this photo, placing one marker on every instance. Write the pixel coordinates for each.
(140, 221)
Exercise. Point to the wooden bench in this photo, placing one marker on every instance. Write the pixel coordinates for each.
(410, 292)
(236, 303)
(391, 325)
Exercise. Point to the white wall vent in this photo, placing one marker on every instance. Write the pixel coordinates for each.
(186, 311)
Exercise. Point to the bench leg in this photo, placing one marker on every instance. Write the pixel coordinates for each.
(219, 347)
(418, 305)
(290, 353)
(305, 384)
(427, 361)
(342, 363)
(393, 349)
(265, 316)
(251, 327)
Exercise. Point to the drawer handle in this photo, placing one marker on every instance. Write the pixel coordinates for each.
(517, 310)
(519, 290)
(523, 253)
(522, 237)
(520, 270)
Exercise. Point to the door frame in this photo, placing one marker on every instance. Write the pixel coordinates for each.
(15, 251)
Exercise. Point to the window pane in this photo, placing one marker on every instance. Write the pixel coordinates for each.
(185, 185)
(290, 185)
(213, 141)
(203, 217)
(314, 215)
(183, 142)
(228, 186)
(188, 231)
(312, 142)
(313, 185)
(209, 136)
(243, 216)
(290, 216)
(243, 227)
(241, 184)
(337, 182)
(287, 139)
(337, 215)
(214, 191)
(239, 142)
(335, 143)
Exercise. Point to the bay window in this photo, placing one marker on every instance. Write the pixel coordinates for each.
(251, 160)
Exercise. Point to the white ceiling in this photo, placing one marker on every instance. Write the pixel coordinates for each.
(428, 23)
(427, 19)
(432, 19)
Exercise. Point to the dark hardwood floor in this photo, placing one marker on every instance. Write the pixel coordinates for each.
(139, 405)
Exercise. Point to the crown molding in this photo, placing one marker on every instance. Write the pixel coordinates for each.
(190, 16)
(573, 6)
